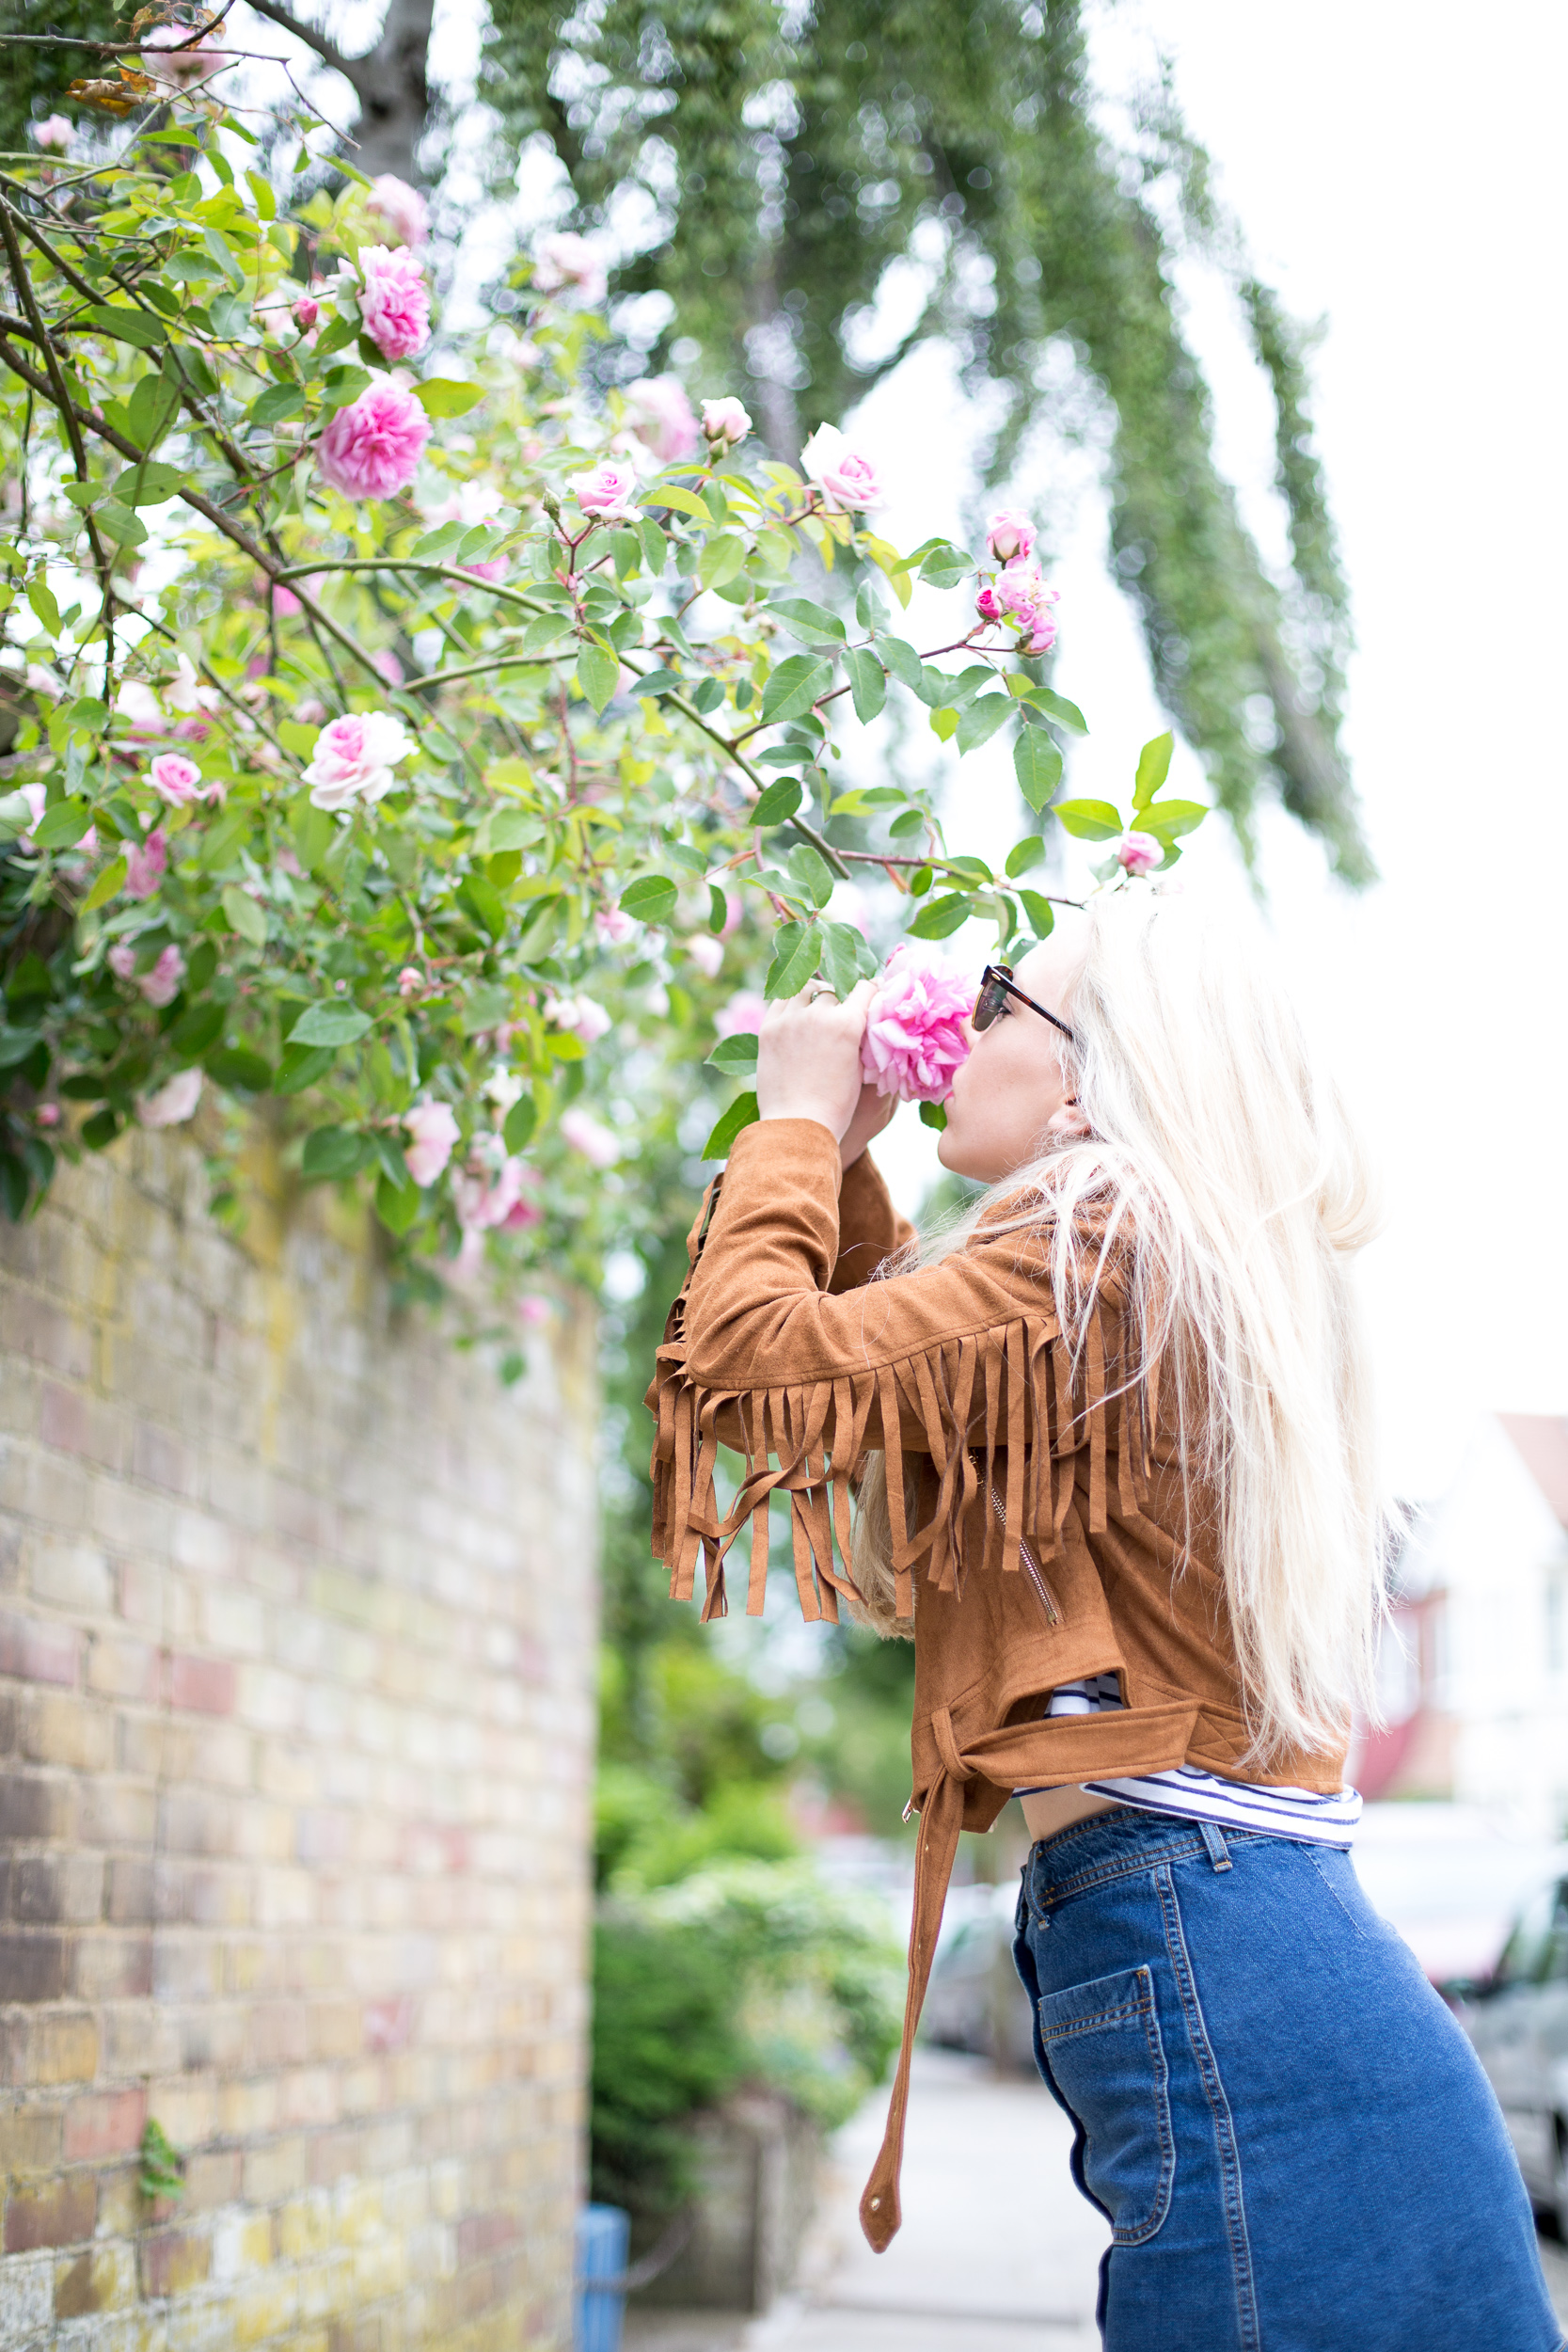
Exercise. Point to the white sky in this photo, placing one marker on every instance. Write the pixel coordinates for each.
(1398, 169)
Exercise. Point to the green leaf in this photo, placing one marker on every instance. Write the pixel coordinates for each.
(482, 902)
(1089, 820)
(651, 899)
(796, 953)
(722, 559)
(277, 402)
(1171, 818)
(944, 724)
(485, 1007)
(980, 719)
(743, 1112)
(736, 1056)
(718, 910)
(1037, 763)
(509, 829)
(844, 959)
(236, 1066)
(780, 800)
(665, 494)
(195, 1030)
(947, 565)
(1058, 707)
(62, 825)
(810, 871)
(439, 541)
(153, 407)
(42, 598)
(333, 1152)
(597, 671)
(301, 1066)
(100, 1130)
(659, 682)
(794, 687)
(1023, 854)
(109, 883)
(118, 523)
(656, 547)
(868, 683)
(1041, 914)
(443, 396)
(521, 1119)
(344, 386)
(942, 916)
(329, 1023)
(130, 327)
(396, 1205)
(244, 915)
(15, 1046)
(222, 842)
(149, 484)
(932, 1115)
(1153, 767)
(810, 622)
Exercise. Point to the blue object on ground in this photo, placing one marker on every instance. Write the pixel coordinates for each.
(603, 2233)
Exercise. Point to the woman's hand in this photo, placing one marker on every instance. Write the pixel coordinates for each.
(809, 1059)
(872, 1113)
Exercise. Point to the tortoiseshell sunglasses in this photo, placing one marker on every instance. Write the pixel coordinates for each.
(997, 985)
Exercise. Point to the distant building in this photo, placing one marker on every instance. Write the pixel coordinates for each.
(1475, 1680)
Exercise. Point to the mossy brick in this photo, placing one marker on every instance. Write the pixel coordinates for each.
(102, 2280)
(35, 1649)
(243, 2243)
(61, 2211)
(263, 2308)
(174, 2261)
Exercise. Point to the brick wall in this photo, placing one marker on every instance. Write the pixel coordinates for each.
(296, 1624)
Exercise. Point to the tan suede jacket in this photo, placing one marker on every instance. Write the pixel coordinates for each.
(1051, 1518)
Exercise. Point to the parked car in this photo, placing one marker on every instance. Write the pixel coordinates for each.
(1517, 2019)
(974, 2000)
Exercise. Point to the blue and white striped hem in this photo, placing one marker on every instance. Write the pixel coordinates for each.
(1190, 1794)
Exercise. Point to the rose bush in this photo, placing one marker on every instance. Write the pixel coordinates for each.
(419, 757)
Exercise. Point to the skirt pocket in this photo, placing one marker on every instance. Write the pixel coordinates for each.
(1102, 2043)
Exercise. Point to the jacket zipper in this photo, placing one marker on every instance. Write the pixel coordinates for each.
(1053, 1615)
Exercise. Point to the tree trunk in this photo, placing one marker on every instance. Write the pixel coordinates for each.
(393, 91)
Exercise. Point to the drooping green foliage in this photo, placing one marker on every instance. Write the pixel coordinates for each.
(783, 163)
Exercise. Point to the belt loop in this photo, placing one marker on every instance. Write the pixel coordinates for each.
(1214, 1839)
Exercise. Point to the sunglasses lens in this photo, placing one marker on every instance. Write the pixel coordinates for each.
(987, 1004)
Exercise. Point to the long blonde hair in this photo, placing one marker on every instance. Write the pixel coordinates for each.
(1222, 1161)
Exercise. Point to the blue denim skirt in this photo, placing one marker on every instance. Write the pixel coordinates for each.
(1290, 2137)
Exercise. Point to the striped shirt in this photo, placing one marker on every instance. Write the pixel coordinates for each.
(1193, 1795)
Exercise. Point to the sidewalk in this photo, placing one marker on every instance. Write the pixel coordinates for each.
(998, 2251)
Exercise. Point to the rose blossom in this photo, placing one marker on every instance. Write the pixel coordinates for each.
(1139, 853)
(139, 707)
(487, 1197)
(707, 953)
(988, 605)
(615, 927)
(568, 260)
(145, 866)
(1021, 590)
(173, 1103)
(661, 417)
(399, 208)
(585, 1133)
(1010, 536)
(370, 449)
(725, 422)
(609, 492)
(581, 1016)
(742, 1015)
(410, 982)
(176, 779)
(847, 478)
(53, 133)
(285, 604)
(161, 984)
(394, 302)
(435, 1132)
(354, 758)
(306, 311)
(48, 1114)
(915, 1027)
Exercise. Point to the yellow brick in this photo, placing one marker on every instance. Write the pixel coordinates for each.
(357, 2212)
(305, 2226)
(379, 2269)
(100, 2280)
(266, 2307)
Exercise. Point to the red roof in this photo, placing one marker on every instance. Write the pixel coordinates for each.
(1542, 1442)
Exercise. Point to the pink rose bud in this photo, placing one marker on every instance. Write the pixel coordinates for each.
(410, 981)
(988, 605)
(370, 449)
(175, 779)
(1010, 537)
(394, 302)
(435, 1132)
(307, 310)
(1139, 853)
(48, 1114)
(661, 417)
(585, 1133)
(399, 208)
(354, 758)
(725, 422)
(581, 1016)
(916, 1033)
(145, 866)
(742, 1015)
(568, 260)
(173, 1103)
(609, 493)
(847, 479)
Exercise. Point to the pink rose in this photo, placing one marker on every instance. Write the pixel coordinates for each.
(609, 493)
(1023, 591)
(568, 260)
(915, 1028)
(707, 953)
(614, 927)
(581, 1016)
(145, 866)
(400, 208)
(487, 1197)
(847, 478)
(585, 1133)
(742, 1015)
(173, 1103)
(394, 301)
(1010, 537)
(1139, 853)
(307, 310)
(54, 133)
(48, 1114)
(410, 982)
(37, 797)
(435, 1132)
(354, 758)
(176, 779)
(725, 422)
(161, 984)
(988, 605)
(661, 417)
(370, 449)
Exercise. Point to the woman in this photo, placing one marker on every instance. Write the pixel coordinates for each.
(1109, 1443)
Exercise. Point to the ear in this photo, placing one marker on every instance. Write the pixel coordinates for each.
(1069, 1124)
